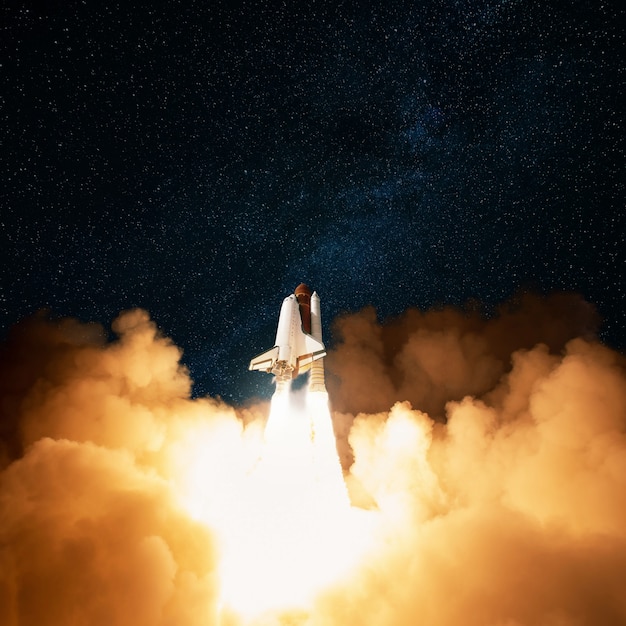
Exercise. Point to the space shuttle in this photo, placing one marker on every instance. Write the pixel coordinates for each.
(298, 346)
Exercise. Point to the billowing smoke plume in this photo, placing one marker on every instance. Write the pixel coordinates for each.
(492, 454)
(89, 529)
(430, 358)
(513, 512)
(434, 357)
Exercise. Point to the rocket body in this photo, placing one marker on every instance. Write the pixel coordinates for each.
(298, 344)
(316, 377)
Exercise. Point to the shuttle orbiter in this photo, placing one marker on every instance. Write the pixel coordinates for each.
(298, 346)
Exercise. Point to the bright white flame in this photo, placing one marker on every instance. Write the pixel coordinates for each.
(283, 518)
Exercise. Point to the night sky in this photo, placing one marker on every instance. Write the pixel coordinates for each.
(200, 159)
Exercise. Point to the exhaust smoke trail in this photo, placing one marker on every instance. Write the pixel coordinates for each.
(295, 533)
(491, 452)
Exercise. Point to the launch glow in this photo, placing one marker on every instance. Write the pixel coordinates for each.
(284, 521)
(279, 504)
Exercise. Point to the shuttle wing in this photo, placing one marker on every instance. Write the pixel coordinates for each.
(265, 361)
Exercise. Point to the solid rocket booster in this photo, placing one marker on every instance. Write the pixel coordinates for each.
(298, 345)
(316, 377)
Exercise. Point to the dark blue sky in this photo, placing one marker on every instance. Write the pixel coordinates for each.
(199, 160)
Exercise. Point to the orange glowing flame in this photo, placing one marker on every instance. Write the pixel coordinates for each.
(278, 505)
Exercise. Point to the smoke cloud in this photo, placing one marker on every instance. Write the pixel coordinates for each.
(432, 357)
(492, 454)
(89, 529)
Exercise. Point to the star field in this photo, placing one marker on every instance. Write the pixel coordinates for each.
(199, 160)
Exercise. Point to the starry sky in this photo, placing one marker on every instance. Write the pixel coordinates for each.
(200, 159)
